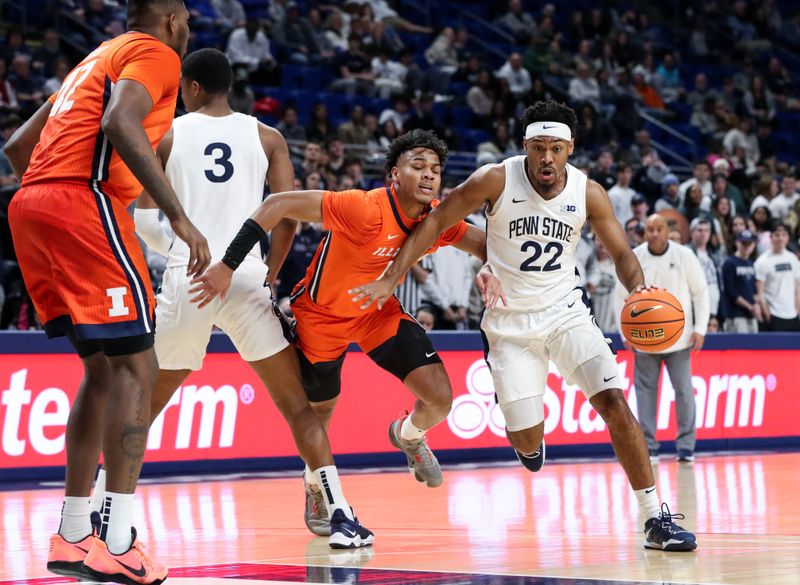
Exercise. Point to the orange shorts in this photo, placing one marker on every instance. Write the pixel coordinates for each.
(323, 337)
(82, 264)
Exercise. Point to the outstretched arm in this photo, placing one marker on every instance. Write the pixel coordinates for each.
(298, 205)
(484, 184)
(608, 229)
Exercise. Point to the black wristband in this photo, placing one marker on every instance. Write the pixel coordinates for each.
(250, 235)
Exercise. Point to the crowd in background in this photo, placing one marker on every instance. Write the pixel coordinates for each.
(381, 73)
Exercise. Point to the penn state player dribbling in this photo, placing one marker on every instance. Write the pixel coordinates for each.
(217, 162)
(538, 204)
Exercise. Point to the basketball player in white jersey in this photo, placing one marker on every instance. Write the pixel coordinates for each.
(218, 161)
(538, 204)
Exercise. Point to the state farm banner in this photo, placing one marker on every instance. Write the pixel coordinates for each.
(224, 412)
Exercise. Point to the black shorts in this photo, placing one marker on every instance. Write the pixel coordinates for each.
(409, 349)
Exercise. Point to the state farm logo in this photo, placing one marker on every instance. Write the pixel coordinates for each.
(722, 400)
(35, 420)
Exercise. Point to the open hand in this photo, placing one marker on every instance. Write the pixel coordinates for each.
(215, 281)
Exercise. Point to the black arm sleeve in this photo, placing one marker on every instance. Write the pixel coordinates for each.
(250, 235)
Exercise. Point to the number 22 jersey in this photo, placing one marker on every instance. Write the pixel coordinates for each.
(531, 242)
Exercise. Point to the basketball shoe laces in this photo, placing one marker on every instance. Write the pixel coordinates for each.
(421, 451)
(319, 501)
(667, 520)
(139, 547)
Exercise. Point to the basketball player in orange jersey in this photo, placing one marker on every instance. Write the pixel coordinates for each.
(83, 158)
(538, 205)
(365, 232)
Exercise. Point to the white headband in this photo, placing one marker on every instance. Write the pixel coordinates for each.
(552, 129)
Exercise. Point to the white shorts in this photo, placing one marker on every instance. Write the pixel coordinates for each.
(247, 315)
(522, 343)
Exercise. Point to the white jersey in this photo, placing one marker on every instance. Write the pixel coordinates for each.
(531, 242)
(218, 169)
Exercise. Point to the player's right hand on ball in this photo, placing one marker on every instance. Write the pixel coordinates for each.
(490, 288)
(215, 281)
(199, 254)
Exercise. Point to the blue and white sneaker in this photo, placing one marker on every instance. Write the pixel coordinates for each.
(533, 462)
(346, 533)
(663, 534)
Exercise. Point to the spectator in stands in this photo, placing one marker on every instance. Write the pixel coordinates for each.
(778, 79)
(778, 284)
(310, 162)
(759, 102)
(334, 148)
(277, 11)
(355, 131)
(743, 137)
(8, 180)
(517, 77)
(318, 128)
(388, 132)
(762, 221)
(701, 92)
(783, 203)
(621, 194)
(722, 215)
(593, 129)
(422, 116)
(634, 229)
(603, 171)
(97, 15)
(640, 207)
(426, 317)
(710, 261)
(241, 97)
(48, 54)
(647, 180)
(641, 144)
(442, 56)
(766, 145)
(415, 78)
(742, 311)
(296, 35)
(452, 275)
(313, 181)
(695, 204)
(389, 75)
(669, 194)
(335, 30)
(721, 185)
(705, 118)
(583, 87)
(389, 17)
(61, 70)
(248, 47)
(398, 113)
(230, 14)
(499, 148)
(739, 223)
(701, 176)
(668, 79)
(27, 85)
(601, 284)
(8, 99)
(289, 127)
(480, 96)
(14, 45)
(354, 170)
(647, 94)
(353, 67)
(517, 21)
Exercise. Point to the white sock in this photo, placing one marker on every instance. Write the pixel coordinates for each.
(328, 481)
(98, 495)
(117, 513)
(75, 524)
(409, 432)
(311, 479)
(649, 504)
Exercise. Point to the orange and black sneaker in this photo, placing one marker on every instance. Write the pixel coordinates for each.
(66, 558)
(133, 567)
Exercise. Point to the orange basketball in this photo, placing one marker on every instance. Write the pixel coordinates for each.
(652, 320)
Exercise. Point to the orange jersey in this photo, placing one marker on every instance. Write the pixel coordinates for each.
(366, 230)
(72, 146)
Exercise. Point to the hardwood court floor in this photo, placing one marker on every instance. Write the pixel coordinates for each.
(574, 522)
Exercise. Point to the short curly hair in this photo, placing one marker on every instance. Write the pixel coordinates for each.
(550, 111)
(415, 139)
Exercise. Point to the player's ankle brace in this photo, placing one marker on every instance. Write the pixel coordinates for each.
(249, 235)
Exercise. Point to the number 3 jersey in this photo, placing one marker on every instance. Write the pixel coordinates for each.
(531, 242)
(218, 168)
(72, 147)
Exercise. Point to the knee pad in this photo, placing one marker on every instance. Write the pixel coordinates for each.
(524, 413)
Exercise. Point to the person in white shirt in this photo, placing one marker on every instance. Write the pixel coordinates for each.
(248, 46)
(518, 78)
(701, 235)
(781, 205)
(601, 284)
(621, 194)
(667, 264)
(389, 75)
(701, 176)
(778, 284)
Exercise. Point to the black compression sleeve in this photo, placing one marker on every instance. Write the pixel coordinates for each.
(250, 235)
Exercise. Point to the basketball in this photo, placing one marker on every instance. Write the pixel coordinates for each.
(652, 320)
